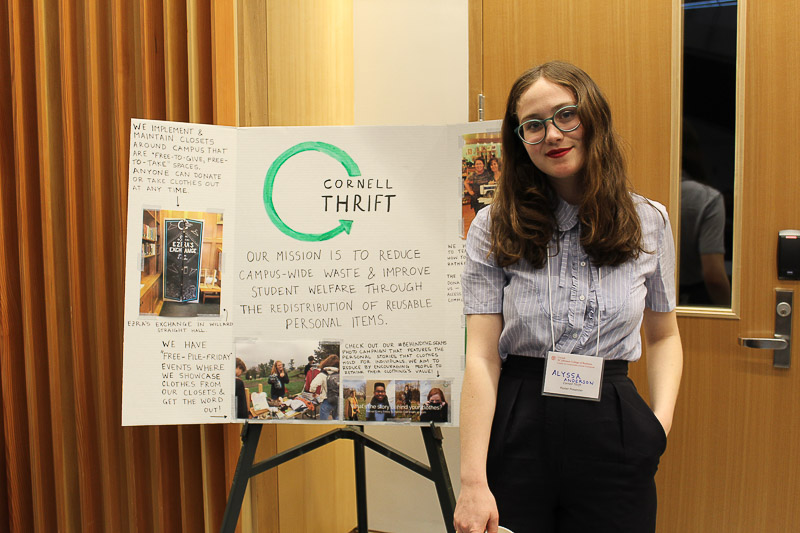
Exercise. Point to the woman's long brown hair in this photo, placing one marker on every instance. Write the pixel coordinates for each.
(523, 210)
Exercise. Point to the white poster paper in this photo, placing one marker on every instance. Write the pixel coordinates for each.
(330, 268)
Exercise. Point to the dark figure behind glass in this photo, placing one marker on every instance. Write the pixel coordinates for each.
(703, 278)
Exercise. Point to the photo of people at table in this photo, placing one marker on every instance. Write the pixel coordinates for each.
(481, 166)
(285, 381)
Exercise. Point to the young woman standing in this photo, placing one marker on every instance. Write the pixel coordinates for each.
(561, 273)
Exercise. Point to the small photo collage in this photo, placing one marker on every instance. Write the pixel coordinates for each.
(414, 400)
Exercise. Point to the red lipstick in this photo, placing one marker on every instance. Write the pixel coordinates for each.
(558, 152)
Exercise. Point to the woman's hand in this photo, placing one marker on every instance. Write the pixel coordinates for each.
(476, 510)
(664, 363)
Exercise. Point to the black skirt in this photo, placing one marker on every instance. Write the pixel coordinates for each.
(569, 465)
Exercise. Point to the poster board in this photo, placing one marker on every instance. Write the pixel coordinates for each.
(337, 241)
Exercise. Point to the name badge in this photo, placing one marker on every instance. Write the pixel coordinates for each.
(573, 376)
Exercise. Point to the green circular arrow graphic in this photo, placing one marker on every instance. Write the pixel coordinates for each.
(269, 182)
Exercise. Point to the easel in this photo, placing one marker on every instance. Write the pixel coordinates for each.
(436, 472)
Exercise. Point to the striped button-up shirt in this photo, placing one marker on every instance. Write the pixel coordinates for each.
(584, 297)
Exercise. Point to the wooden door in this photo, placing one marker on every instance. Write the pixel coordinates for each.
(733, 461)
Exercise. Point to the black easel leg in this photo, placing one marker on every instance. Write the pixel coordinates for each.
(437, 471)
(251, 433)
(432, 435)
(361, 483)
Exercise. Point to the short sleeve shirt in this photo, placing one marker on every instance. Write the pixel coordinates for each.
(702, 227)
(577, 296)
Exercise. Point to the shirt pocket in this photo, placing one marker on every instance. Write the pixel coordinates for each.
(615, 288)
(545, 292)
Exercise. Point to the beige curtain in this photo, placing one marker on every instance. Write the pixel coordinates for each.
(72, 74)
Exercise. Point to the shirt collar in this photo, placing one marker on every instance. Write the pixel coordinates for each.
(566, 215)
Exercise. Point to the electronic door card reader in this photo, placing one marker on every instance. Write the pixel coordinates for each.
(789, 254)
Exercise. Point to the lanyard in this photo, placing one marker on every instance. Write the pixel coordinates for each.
(550, 303)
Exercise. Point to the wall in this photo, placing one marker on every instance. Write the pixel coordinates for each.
(410, 67)
(410, 62)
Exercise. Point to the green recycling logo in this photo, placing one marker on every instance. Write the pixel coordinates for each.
(269, 182)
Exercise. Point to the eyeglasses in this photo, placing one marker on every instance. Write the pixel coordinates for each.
(534, 131)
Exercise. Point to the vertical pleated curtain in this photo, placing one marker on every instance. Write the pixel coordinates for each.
(72, 74)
